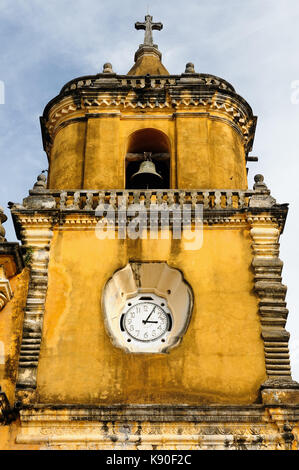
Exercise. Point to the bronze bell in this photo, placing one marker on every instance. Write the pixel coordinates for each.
(147, 176)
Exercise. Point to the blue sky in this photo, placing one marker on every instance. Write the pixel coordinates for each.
(253, 44)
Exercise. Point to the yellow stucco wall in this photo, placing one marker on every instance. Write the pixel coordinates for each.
(67, 162)
(11, 327)
(221, 357)
(206, 152)
(148, 64)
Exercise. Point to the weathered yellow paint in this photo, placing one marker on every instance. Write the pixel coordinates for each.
(220, 359)
(102, 164)
(148, 63)
(67, 162)
(205, 152)
(11, 325)
(52, 429)
(210, 154)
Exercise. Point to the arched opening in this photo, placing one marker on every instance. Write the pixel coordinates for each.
(153, 147)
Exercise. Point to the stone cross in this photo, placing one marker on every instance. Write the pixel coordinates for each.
(148, 25)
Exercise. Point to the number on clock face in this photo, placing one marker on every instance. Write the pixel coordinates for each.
(146, 321)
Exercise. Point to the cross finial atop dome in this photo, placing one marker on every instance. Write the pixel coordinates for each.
(148, 57)
(148, 26)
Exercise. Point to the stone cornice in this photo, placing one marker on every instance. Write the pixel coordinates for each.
(156, 93)
(144, 81)
(150, 413)
(141, 427)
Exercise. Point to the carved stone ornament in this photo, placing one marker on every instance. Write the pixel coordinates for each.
(261, 196)
(6, 413)
(5, 289)
(147, 307)
(3, 218)
(107, 68)
(38, 198)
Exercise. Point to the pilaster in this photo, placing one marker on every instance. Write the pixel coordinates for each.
(265, 232)
(36, 236)
(271, 292)
(35, 229)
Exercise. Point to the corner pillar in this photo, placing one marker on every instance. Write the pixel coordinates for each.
(36, 236)
(271, 292)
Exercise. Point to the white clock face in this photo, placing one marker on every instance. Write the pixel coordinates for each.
(146, 320)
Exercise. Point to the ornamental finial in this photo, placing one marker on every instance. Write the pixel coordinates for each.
(41, 182)
(3, 218)
(148, 26)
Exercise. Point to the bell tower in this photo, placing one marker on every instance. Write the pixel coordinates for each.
(153, 300)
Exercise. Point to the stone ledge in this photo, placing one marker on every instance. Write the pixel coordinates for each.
(177, 427)
(279, 391)
(275, 396)
(149, 413)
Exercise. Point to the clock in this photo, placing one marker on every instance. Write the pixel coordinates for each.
(146, 319)
(147, 307)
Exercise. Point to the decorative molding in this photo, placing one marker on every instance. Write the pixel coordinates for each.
(236, 113)
(140, 427)
(271, 292)
(261, 196)
(3, 219)
(177, 92)
(133, 81)
(5, 289)
(267, 266)
(88, 200)
(36, 234)
(78, 208)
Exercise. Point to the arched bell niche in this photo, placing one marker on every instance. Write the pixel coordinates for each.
(152, 146)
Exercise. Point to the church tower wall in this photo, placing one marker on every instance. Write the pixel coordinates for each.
(151, 312)
(205, 368)
(209, 127)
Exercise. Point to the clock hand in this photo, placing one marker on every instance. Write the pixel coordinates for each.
(151, 321)
(146, 321)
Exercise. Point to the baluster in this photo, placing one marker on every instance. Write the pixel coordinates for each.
(164, 200)
(89, 202)
(76, 202)
(101, 201)
(148, 197)
(63, 197)
(217, 200)
(159, 197)
(142, 198)
(112, 200)
(241, 199)
(182, 198)
(136, 196)
(122, 200)
(170, 198)
(229, 201)
(206, 200)
(194, 198)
